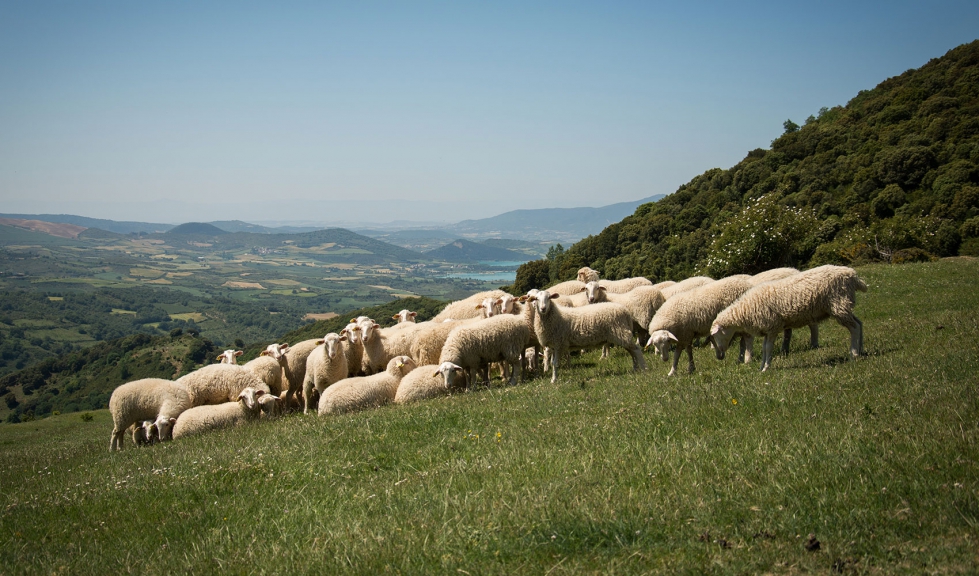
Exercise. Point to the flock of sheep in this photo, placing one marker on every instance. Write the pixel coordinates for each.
(366, 366)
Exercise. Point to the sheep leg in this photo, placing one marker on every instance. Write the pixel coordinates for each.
(307, 393)
(786, 339)
(814, 336)
(605, 348)
(742, 349)
(690, 368)
(555, 354)
(513, 370)
(638, 361)
(766, 351)
(115, 439)
(749, 343)
(676, 360)
(855, 326)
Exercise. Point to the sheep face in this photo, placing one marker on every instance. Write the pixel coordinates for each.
(490, 307)
(453, 375)
(331, 342)
(250, 397)
(164, 427)
(506, 303)
(543, 302)
(404, 316)
(271, 405)
(277, 351)
(229, 356)
(660, 340)
(400, 365)
(593, 290)
(367, 329)
(352, 332)
(720, 338)
(150, 432)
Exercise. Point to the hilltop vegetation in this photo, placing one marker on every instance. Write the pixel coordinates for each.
(893, 176)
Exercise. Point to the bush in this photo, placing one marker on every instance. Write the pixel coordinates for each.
(911, 255)
(87, 417)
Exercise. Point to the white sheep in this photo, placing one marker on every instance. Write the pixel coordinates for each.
(467, 307)
(427, 343)
(663, 285)
(272, 406)
(405, 316)
(145, 433)
(219, 383)
(683, 286)
(422, 383)
(642, 302)
(771, 276)
(561, 329)
(568, 288)
(625, 285)
(805, 298)
(502, 338)
(354, 349)
(587, 275)
(156, 399)
(295, 368)
(326, 365)
(366, 391)
(688, 315)
(382, 344)
(211, 417)
(269, 366)
(229, 356)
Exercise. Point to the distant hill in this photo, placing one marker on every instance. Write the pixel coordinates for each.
(892, 176)
(110, 225)
(197, 228)
(557, 224)
(239, 226)
(466, 251)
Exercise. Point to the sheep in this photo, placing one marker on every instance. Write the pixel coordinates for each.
(587, 275)
(561, 329)
(688, 315)
(428, 341)
(218, 383)
(354, 349)
(326, 365)
(229, 356)
(566, 288)
(211, 417)
(272, 406)
(625, 285)
(500, 338)
(770, 276)
(683, 286)
(405, 317)
(424, 382)
(366, 391)
(805, 298)
(642, 302)
(145, 433)
(156, 399)
(663, 285)
(467, 307)
(269, 365)
(295, 368)
(382, 345)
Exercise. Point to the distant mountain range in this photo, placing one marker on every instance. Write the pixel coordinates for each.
(464, 251)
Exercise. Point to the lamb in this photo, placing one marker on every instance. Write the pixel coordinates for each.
(500, 338)
(425, 382)
(683, 286)
(805, 298)
(229, 356)
(272, 406)
(467, 307)
(145, 433)
(269, 365)
(218, 383)
(295, 368)
(156, 399)
(326, 365)
(561, 329)
(211, 417)
(367, 391)
(587, 275)
(428, 341)
(688, 315)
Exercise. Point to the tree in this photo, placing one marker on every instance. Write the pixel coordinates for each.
(790, 126)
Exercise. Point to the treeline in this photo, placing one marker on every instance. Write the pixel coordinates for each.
(893, 176)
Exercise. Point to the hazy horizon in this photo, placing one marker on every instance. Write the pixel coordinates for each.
(379, 112)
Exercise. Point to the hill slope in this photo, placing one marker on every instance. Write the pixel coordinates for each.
(466, 251)
(892, 175)
(119, 227)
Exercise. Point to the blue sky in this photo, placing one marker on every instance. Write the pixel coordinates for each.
(375, 112)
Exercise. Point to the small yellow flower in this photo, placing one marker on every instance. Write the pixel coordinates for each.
(734, 401)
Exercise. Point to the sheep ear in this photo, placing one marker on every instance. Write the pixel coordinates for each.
(238, 353)
(395, 317)
(265, 353)
(672, 337)
(318, 342)
(219, 357)
(173, 420)
(436, 373)
(714, 329)
(259, 393)
(412, 314)
(343, 338)
(582, 290)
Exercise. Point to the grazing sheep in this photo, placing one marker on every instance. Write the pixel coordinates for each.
(501, 338)
(683, 286)
(219, 383)
(428, 341)
(422, 383)
(155, 399)
(805, 298)
(229, 356)
(211, 417)
(642, 303)
(145, 433)
(326, 365)
(771, 276)
(295, 368)
(568, 288)
(587, 275)
(269, 365)
(688, 315)
(467, 307)
(366, 391)
(561, 329)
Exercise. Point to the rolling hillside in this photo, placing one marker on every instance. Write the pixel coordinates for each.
(464, 251)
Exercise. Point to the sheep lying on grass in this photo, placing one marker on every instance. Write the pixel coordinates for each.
(155, 399)
(561, 329)
(366, 391)
(688, 315)
(212, 417)
(808, 297)
(424, 382)
(272, 406)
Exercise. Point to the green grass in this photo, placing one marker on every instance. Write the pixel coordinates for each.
(724, 471)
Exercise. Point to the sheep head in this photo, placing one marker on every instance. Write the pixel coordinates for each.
(595, 292)
(400, 365)
(542, 300)
(660, 339)
(331, 342)
(164, 427)
(229, 356)
(453, 375)
(720, 338)
(249, 397)
(405, 316)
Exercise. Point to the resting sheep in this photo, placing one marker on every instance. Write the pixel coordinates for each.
(155, 399)
(502, 338)
(561, 329)
(424, 382)
(272, 406)
(219, 383)
(366, 391)
(326, 365)
(211, 417)
(805, 298)
(688, 315)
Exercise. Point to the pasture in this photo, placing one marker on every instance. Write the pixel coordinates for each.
(821, 465)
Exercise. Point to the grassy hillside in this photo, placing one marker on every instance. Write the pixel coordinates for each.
(893, 175)
(725, 471)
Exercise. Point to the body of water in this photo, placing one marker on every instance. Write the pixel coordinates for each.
(502, 263)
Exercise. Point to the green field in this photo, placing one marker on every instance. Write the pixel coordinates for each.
(727, 471)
